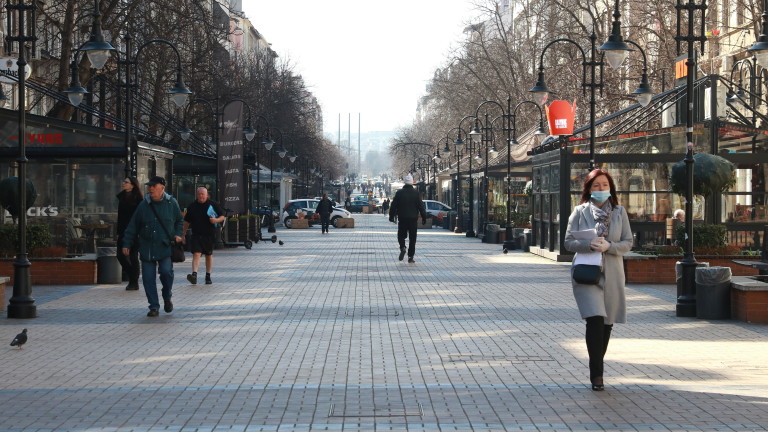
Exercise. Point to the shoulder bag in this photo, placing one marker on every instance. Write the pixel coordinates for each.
(177, 249)
(589, 274)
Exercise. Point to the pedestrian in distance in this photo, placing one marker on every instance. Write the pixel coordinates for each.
(604, 303)
(203, 216)
(127, 201)
(407, 206)
(156, 224)
(679, 215)
(324, 209)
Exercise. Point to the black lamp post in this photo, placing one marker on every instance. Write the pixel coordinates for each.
(760, 47)
(258, 163)
(615, 50)
(459, 144)
(97, 51)
(435, 160)
(484, 130)
(512, 140)
(686, 292)
(178, 93)
(21, 304)
(268, 144)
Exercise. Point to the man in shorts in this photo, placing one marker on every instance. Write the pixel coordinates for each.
(203, 216)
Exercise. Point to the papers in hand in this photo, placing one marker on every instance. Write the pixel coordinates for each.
(587, 234)
(212, 214)
(590, 258)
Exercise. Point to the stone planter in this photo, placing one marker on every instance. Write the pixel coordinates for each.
(56, 271)
(660, 269)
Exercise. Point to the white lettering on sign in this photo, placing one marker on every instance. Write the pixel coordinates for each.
(40, 211)
(561, 123)
(232, 199)
(232, 171)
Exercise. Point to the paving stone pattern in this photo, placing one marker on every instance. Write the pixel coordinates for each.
(332, 332)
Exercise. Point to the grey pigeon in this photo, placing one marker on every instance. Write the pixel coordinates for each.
(20, 339)
(280, 243)
(274, 238)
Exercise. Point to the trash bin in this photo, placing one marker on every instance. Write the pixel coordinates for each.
(528, 236)
(108, 270)
(713, 292)
(491, 233)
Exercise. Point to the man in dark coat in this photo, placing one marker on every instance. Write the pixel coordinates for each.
(156, 223)
(407, 206)
(324, 209)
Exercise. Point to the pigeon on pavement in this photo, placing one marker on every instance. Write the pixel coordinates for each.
(20, 339)
(280, 243)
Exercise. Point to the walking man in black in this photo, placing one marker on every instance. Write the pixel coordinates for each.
(203, 215)
(324, 209)
(407, 206)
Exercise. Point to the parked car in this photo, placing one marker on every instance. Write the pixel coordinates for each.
(356, 206)
(436, 209)
(308, 206)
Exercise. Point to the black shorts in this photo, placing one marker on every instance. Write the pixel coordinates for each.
(201, 244)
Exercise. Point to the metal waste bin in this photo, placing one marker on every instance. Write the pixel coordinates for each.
(528, 238)
(491, 234)
(713, 293)
(108, 270)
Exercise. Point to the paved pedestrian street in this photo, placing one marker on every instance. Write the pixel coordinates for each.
(332, 332)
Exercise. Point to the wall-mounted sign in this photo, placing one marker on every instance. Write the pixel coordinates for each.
(9, 70)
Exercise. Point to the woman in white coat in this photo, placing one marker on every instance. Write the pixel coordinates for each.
(603, 304)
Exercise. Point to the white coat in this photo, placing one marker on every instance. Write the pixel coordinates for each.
(607, 298)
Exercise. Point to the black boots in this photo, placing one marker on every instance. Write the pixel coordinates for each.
(598, 334)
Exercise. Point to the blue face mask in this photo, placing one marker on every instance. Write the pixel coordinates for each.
(601, 196)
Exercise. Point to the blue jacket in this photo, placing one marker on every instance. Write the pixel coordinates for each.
(154, 243)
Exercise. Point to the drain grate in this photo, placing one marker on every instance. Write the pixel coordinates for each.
(473, 358)
(395, 410)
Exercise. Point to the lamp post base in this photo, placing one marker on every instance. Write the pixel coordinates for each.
(471, 233)
(21, 304)
(457, 228)
(685, 308)
(686, 289)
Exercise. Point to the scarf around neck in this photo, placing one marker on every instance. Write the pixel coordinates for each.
(601, 216)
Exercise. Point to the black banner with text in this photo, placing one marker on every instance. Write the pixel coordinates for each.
(230, 159)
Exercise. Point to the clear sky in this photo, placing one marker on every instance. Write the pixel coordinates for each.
(364, 56)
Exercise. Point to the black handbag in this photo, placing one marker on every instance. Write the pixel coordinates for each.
(586, 274)
(177, 249)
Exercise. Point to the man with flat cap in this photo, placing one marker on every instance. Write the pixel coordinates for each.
(157, 223)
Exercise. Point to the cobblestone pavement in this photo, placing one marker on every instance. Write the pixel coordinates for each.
(332, 332)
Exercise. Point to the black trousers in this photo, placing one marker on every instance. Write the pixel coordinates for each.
(598, 334)
(325, 220)
(407, 228)
(130, 263)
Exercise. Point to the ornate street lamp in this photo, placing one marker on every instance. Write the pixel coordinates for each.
(178, 93)
(686, 292)
(459, 144)
(615, 50)
(760, 47)
(540, 134)
(21, 304)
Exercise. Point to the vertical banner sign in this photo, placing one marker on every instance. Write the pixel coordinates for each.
(230, 159)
